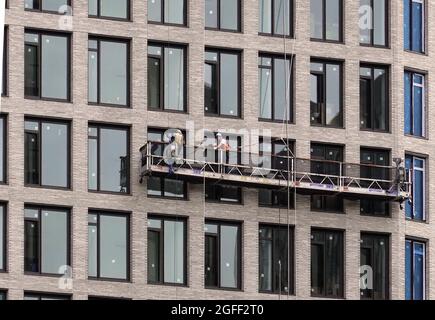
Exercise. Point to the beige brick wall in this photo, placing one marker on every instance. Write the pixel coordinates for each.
(16, 194)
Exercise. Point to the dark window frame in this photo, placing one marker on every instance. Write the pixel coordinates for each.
(424, 30)
(424, 86)
(217, 65)
(387, 71)
(4, 250)
(291, 61)
(127, 129)
(4, 117)
(40, 121)
(272, 21)
(44, 295)
(162, 16)
(161, 232)
(99, 16)
(413, 241)
(290, 252)
(39, 9)
(341, 22)
(3, 294)
(231, 223)
(5, 75)
(387, 28)
(128, 218)
(161, 59)
(41, 33)
(40, 208)
(218, 19)
(125, 41)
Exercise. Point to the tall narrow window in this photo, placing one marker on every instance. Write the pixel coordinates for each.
(3, 224)
(163, 186)
(46, 240)
(327, 264)
(222, 15)
(166, 77)
(326, 20)
(47, 66)
(276, 259)
(3, 295)
(172, 12)
(375, 256)
(414, 25)
(167, 250)
(373, 166)
(108, 159)
(108, 72)
(415, 104)
(3, 148)
(46, 5)
(416, 209)
(374, 22)
(326, 94)
(109, 9)
(326, 160)
(374, 98)
(222, 255)
(415, 270)
(276, 81)
(5, 63)
(108, 245)
(45, 296)
(47, 153)
(222, 83)
(276, 17)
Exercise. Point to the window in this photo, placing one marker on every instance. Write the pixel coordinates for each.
(167, 11)
(222, 83)
(222, 255)
(47, 66)
(109, 9)
(108, 246)
(326, 20)
(3, 230)
(45, 296)
(326, 94)
(276, 17)
(46, 5)
(415, 104)
(326, 160)
(276, 96)
(47, 153)
(375, 254)
(222, 15)
(369, 159)
(3, 148)
(274, 155)
(108, 72)
(3, 295)
(5, 63)
(108, 159)
(416, 209)
(415, 270)
(167, 250)
(276, 259)
(166, 77)
(414, 25)
(327, 264)
(215, 191)
(46, 240)
(163, 186)
(374, 101)
(374, 23)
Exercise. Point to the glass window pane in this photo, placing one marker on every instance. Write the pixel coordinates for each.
(281, 93)
(333, 20)
(333, 95)
(54, 241)
(229, 84)
(408, 102)
(281, 16)
(55, 155)
(174, 188)
(174, 79)
(266, 265)
(379, 23)
(419, 274)
(92, 250)
(417, 26)
(113, 148)
(265, 25)
(153, 82)
(418, 195)
(93, 76)
(2, 236)
(174, 11)
(92, 164)
(211, 260)
(53, 5)
(408, 270)
(153, 258)
(31, 161)
(31, 246)
(31, 71)
(418, 107)
(229, 13)
(154, 187)
(93, 7)
(155, 10)
(210, 88)
(211, 13)
(366, 21)
(54, 72)
(229, 253)
(113, 247)
(316, 17)
(2, 149)
(265, 76)
(174, 252)
(113, 75)
(380, 99)
(114, 8)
